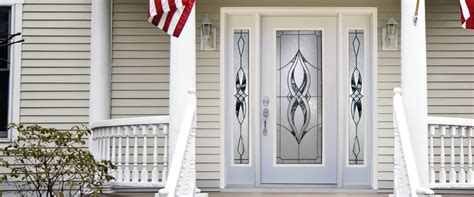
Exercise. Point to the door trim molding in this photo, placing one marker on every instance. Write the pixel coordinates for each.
(258, 13)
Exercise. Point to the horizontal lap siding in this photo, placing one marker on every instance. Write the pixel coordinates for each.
(55, 63)
(140, 81)
(450, 62)
(140, 63)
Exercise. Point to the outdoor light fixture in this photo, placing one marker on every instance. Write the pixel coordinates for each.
(390, 35)
(208, 35)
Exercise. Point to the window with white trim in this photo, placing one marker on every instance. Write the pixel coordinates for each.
(5, 65)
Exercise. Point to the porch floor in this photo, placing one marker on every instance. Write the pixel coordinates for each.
(278, 194)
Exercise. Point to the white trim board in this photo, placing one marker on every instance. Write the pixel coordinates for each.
(11, 2)
(15, 68)
(258, 13)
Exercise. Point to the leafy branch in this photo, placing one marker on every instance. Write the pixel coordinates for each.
(48, 162)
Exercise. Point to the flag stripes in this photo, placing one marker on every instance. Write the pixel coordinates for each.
(170, 15)
(467, 14)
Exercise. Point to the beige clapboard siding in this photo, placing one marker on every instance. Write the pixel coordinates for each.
(140, 82)
(55, 66)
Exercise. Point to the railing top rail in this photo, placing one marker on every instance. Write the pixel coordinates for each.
(131, 121)
(407, 149)
(403, 133)
(450, 121)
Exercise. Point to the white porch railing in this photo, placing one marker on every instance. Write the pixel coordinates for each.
(126, 142)
(406, 180)
(182, 176)
(449, 138)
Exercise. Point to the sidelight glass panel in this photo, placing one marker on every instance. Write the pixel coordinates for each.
(241, 96)
(356, 118)
(299, 97)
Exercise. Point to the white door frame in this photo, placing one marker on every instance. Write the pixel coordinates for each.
(258, 12)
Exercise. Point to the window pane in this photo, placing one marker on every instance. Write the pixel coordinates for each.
(241, 94)
(4, 71)
(299, 97)
(4, 30)
(356, 118)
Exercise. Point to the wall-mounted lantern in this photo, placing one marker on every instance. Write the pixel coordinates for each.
(208, 35)
(390, 35)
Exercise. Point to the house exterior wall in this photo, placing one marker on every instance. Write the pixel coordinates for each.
(55, 63)
(56, 52)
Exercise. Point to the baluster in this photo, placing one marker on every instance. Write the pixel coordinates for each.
(104, 143)
(164, 174)
(135, 155)
(119, 156)
(126, 172)
(96, 144)
(462, 173)
(99, 143)
(108, 137)
(470, 175)
(144, 177)
(452, 171)
(442, 171)
(154, 172)
(113, 158)
(92, 143)
(432, 170)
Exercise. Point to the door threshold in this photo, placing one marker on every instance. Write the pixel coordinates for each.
(300, 189)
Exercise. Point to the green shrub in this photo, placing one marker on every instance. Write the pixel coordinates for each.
(48, 162)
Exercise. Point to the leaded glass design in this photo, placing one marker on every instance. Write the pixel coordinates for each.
(356, 124)
(241, 94)
(299, 97)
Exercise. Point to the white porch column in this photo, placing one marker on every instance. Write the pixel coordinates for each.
(182, 76)
(414, 84)
(99, 103)
(99, 99)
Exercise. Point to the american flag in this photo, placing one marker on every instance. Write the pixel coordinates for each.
(467, 14)
(170, 15)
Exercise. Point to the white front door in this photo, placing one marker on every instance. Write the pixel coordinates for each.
(298, 89)
(297, 96)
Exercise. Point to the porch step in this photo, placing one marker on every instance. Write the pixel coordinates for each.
(435, 195)
(139, 194)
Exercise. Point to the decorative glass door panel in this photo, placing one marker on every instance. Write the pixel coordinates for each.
(299, 104)
(299, 97)
(241, 94)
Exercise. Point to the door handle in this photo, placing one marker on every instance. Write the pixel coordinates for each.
(266, 113)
